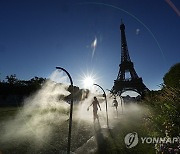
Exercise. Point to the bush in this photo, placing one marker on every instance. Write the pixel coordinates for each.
(172, 78)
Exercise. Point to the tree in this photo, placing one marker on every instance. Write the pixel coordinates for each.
(11, 79)
(37, 81)
(172, 78)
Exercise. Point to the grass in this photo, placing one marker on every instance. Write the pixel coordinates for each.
(56, 141)
(107, 140)
(8, 112)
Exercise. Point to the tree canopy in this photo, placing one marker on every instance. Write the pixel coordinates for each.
(172, 78)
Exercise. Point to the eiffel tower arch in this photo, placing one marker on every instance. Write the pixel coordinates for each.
(133, 82)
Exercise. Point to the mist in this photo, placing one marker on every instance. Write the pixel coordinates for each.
(46, 111)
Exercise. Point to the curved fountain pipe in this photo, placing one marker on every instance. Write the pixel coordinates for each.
(106, 103)
(71, 110)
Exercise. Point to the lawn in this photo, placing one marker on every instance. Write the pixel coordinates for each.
(46, 132)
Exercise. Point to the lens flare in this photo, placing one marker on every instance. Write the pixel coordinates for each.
(133, 16)
(88, 81)
(93, 46)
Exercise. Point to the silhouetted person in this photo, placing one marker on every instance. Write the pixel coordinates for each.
(95, 105)
(115, 104)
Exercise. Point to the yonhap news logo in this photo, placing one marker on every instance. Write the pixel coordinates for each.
(132, 139)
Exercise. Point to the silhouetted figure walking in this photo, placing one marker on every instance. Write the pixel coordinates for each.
(95, 105)
(115, 104)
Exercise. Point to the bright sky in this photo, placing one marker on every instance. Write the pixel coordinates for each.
(84, 38)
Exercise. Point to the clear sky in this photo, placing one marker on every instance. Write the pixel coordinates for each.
(38, 35)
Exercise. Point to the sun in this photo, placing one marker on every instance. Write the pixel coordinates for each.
(88, 81)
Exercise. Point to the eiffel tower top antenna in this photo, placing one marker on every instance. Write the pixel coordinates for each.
(124, 48)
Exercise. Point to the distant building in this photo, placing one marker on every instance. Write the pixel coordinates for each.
(128, 99)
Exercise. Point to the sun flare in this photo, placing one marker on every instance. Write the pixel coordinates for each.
(88, 82)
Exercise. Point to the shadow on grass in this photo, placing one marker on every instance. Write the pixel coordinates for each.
(105, 144)
(101, 142)
(113, 140)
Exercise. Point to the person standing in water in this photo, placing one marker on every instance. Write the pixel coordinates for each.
(95, 105)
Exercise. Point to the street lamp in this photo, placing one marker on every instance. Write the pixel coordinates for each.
(71, 110)
(106, 102)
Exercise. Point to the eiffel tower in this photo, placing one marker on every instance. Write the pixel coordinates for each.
(127, 78)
